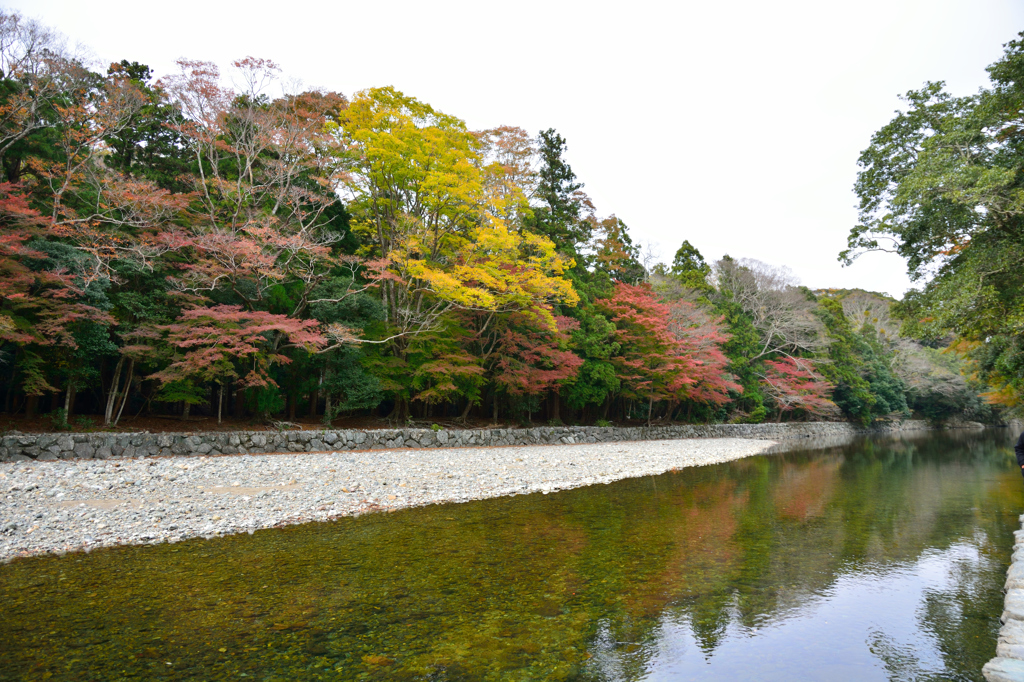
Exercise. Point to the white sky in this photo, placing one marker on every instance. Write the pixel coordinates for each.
(736, 125)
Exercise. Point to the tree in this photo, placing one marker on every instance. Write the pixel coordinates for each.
(793, 384)
(593, 339)
(264, 184)
(851, 393)
(149, 146)
(415, 191)
(781, 311)
(614, 251)
(941, 185)
(43, 301)
(509, 178)
(700, 337)
(646, 364)
(38, 77)
(562, 206)
(654, 364)
(219, 344)
(689, 267)
(530, 358)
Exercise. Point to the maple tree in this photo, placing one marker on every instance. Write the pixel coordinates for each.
(664, 355)
(529, 358)
(701, 339)
(222, 343)
(792, 384)
(40, 305)
(264, 183)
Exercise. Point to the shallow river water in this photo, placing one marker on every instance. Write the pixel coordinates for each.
(878, 560)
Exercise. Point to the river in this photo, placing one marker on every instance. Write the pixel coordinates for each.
(882, 559)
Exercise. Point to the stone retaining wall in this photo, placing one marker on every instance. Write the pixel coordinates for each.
(107, 445)
(1008, 665)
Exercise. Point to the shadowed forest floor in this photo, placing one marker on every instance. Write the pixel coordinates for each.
(173, 424)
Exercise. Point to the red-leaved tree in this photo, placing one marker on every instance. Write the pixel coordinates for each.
(648, 364)
(39, 305)
(792, 384)
(222, 343)
(667, 352)
(530, 358)
(700, 337)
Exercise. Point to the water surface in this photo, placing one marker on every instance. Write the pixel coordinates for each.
(879, 560)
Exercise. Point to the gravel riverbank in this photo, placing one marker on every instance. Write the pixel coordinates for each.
(60, 506)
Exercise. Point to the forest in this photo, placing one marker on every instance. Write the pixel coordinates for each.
(183, 247)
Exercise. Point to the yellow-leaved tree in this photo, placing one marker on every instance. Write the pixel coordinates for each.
(417, 191)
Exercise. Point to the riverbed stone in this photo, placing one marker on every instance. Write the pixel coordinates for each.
(1015, 576)
(1012, 633)
(1004, 670)
(1006, 650)
(1013, 605)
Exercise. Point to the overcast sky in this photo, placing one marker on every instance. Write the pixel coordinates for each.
(735, 125)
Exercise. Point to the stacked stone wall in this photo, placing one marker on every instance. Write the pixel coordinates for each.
(52, 446)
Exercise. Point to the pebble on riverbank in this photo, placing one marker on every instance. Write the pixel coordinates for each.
(60, 506)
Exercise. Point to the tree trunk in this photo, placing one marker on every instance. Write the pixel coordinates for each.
(293, 398)
(31, 404)
(108, 413)
(556, 404)
(465, 412)
(495, 408)
(69, 400)
(314, 398)
(127, 388)
(185, 411)
(650, 408)
(327, 408)
(400, 412)
(220, 403)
